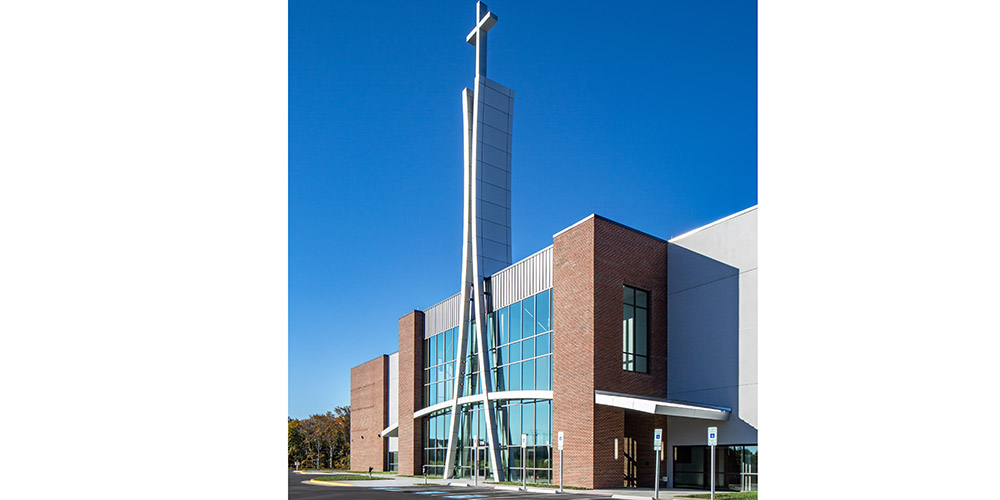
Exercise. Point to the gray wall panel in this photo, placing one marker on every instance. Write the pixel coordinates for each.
(442, 316)
(523, 279)
(712, 329)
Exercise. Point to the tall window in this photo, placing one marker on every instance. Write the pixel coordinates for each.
(439, 367)
(635, 329)
(520, 344)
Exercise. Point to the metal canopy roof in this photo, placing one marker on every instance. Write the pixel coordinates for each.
(657, 406)
(391, 431)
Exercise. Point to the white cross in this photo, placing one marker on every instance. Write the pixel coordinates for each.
(477, 37)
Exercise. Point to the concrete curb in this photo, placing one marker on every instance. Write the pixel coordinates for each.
(326, 483)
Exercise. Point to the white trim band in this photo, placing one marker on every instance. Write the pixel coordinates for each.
(477, 398)
(661, 406)
(391, 431)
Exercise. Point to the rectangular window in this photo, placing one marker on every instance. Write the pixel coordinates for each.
(542, 374)
(514, 384)
(426, 356)
(491, 331)
(542, 345)
(515, 425)
(515, 322)
(449, 345)
(503, 326)
(528, 317)
(635, 330)
(542, 321)
(528, 375)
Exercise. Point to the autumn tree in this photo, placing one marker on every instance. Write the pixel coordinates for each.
(321, 438)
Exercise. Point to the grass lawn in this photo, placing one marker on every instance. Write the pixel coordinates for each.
(336, 471)
(351, 477)
(743, 495)
(429, 476)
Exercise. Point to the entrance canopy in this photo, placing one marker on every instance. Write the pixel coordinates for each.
(657, 406)
(391, 431)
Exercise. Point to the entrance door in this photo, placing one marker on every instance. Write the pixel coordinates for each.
(483, 470)
(735, 467)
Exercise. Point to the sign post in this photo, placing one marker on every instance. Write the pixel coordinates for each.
(657, 445)
(524, 463)
(713, 439)
(560, 462)
(475, 460)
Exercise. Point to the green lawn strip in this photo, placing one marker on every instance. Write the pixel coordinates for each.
(518, 483)
(743, 495)
(350, 477)
(429, 476)
(335, 471)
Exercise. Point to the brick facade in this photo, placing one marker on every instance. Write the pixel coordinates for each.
(369, 414)
(573, 352)
(411, 359)
(591, 262)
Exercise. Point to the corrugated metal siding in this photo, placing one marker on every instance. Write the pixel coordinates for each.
(511, 284)
(522, 279)
(442, 316)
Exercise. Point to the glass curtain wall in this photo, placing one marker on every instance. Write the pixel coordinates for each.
(435, 441)
(519, 340)
(534, 418)
(439, 367)
(520, 337)
(692, 466)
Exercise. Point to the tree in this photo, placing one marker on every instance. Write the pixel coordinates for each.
(321, 438)
(296, 442)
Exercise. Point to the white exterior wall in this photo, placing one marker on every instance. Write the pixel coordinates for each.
(712, 329)
(393, 397)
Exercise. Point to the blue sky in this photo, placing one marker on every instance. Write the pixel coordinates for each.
(643, 112)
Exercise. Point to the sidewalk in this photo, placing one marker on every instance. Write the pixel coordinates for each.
(616, 493)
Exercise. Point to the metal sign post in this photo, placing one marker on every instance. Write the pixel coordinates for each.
(475, 460)
(713, 439)
(524, 462)
(560, 462)
(657, 444)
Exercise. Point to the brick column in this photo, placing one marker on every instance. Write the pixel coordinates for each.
(591, 262)
(573, 353)
(369, 413)
(411, 364)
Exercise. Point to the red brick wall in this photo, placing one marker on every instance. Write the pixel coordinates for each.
(369, 413)
(411, 345)
(591, 262)
(627, 257)
(573, 352)
(639, 442)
